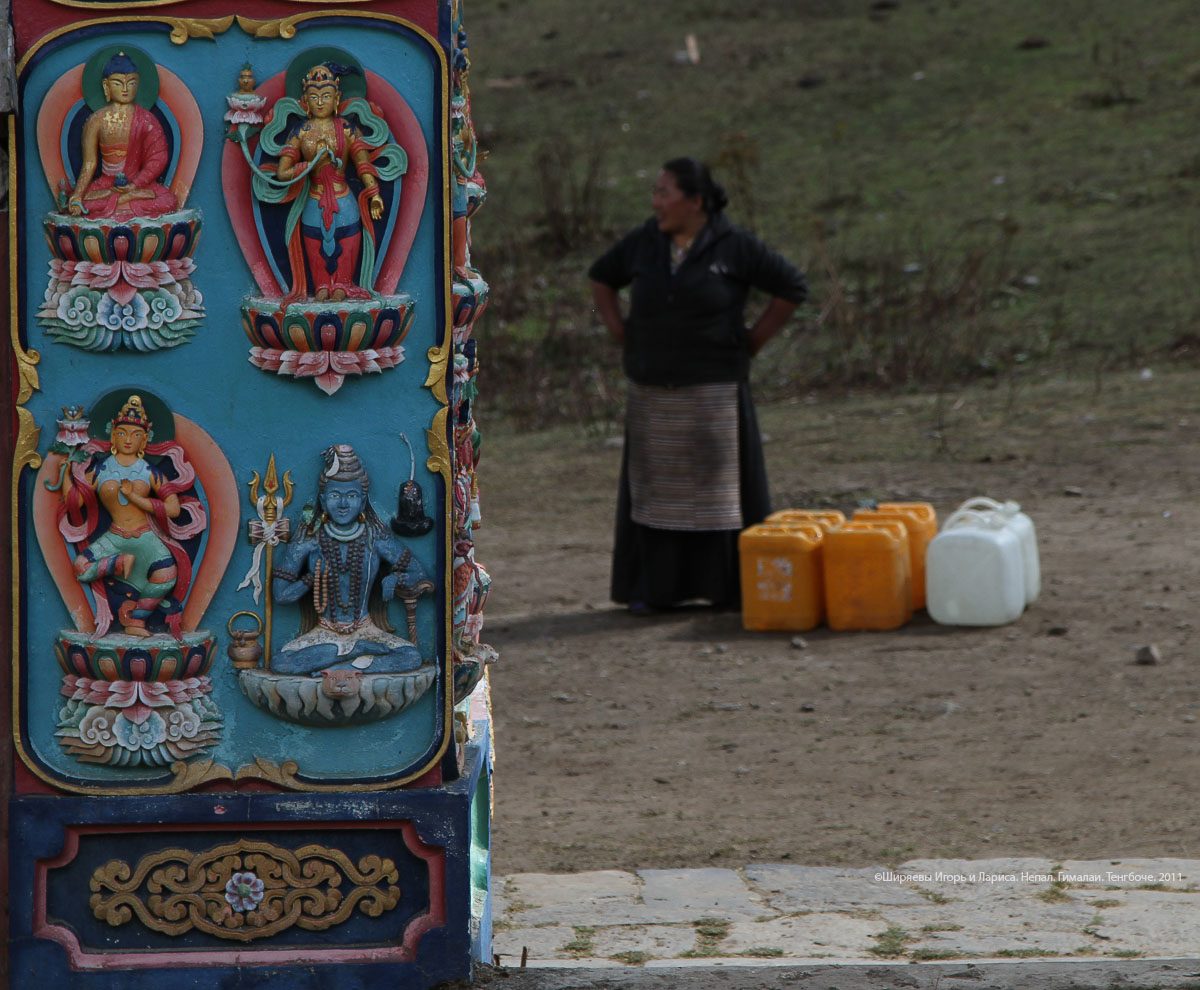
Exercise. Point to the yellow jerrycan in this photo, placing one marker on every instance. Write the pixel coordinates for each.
(920, 519)
(783, 586)
(868, 576)
(827, 518)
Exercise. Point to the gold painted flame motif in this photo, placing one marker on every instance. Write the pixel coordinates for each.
(243, 890)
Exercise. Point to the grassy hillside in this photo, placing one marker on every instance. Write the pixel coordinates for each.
(976, 187)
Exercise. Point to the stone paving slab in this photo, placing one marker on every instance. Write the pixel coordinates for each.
(583, 962)
(655, 941)
(827, 935)
(540, 943)
(1030, 943)
(1010, 915)
(973, 880)
(1134, 872)
(1163, 925)
(688, 895)
(770, 915)
(789, 889)
(599, 897)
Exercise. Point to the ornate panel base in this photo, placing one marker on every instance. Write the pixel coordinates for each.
(254, 888)
(327, 341)
(124, 284)
(338, 698)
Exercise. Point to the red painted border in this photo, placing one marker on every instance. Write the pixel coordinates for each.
(34, 19)
(406, 951)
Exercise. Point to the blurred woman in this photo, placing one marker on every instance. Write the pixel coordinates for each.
(692, 475)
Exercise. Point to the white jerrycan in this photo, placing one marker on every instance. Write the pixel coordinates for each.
(974, 571)
(1023, 526)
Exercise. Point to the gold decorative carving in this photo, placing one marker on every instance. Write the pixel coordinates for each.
(439, 359)
(243, 890)
(281, 27)
(189, 775)
(28, 433)
(439, 450)
(185, 28)
(283, 775)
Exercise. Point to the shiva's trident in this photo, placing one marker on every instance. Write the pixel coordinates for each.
(266, 532)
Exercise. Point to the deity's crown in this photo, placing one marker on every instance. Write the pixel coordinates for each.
(133, 413)
(318, 77)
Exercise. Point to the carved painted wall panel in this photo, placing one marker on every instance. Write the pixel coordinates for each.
(244, 524)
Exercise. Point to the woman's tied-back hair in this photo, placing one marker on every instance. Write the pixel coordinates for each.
(693, 179)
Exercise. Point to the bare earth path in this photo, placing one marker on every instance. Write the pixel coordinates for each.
(684, 741)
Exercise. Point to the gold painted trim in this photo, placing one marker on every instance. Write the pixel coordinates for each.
(183, 29)
(281, 27)
(196, 27)
(27, 376)
(191, 775)
(128, 4)
(187, 776)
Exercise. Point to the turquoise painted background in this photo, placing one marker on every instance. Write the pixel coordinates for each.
(250, 413)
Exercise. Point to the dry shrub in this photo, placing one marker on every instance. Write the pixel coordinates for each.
(891, 321)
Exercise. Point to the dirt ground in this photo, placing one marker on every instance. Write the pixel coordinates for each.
(685, 741)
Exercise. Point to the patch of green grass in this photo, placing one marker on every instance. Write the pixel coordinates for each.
(945, 926)
(581, 944)
(1025, 953)
(933, 896)
(702, 951)
(930, 955)
(632, 958)
(763, 952)
(709, 932)
(1104, 903)
(964, 207)
(1056, 893)
(890, 942)
(714, 928)
(1167, 888)
(1125, 953)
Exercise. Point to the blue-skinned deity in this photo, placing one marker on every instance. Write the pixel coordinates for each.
(343, 569)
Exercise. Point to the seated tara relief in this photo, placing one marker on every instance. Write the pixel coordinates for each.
(135, 512)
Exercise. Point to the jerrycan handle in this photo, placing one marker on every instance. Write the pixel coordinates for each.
(1008, 507)
(987, 519)
(980, 502)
